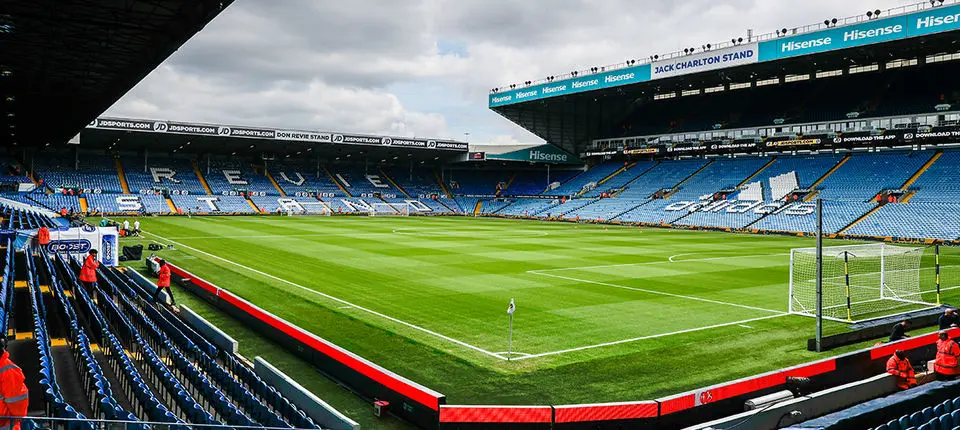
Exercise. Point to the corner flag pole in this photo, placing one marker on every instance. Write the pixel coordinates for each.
(510, 310)
(819, 275)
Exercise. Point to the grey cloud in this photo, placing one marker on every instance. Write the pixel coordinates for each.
(329, 65)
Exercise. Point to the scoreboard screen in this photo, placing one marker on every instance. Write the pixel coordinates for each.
(477, 156)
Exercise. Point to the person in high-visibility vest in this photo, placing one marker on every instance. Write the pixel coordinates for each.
(947, 363)
(88, 273)
(43, 237)
(899, 366)
(163, 282)
(16, 397)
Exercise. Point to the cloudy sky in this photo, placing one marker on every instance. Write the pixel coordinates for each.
(425, 67)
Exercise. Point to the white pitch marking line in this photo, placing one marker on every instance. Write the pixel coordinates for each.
(514, 353)
(305, 235)
(744, 326)
(338, 300)
(680, 296)
(667, 261)
(654, 336)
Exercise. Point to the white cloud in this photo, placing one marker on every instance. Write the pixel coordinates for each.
(338, 65)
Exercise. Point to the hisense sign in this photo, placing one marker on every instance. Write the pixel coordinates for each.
(552, 158)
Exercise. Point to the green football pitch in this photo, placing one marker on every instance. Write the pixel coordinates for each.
(603, 314)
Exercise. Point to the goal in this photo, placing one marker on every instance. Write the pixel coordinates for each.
(308, 209)
(860, 282)
(390, 209)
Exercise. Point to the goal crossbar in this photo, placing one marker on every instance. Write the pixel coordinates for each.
(859, 281)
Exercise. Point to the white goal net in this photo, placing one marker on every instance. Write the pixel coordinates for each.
(390, 209)
(306, 208)
(860, 282)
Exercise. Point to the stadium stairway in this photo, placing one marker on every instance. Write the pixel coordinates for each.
(578, 204)
(906, 185)
(203, 181)
(122, 175)
(274, 182)
(252, 204)
(84, 207)
(926, 166)
(336, 181)
(757, 173)
(570, 179)
(436, 175)
(385, 175)
(506, 186)
(859, 220)
(612, 175)
(637, 178)
(170, 204)
(383, 200)
(478, 208)
(688, 178)
(816, 183)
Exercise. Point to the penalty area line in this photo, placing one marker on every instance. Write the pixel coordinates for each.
(653, 336)
(337, 299)
(669, 260)
(643, 290)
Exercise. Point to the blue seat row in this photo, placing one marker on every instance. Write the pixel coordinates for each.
(56, 404)
(103, 402)
(237, 380)
(135, 386)
(19, 219)
(944, 416)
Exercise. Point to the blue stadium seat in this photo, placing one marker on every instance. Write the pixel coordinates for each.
(173, 174)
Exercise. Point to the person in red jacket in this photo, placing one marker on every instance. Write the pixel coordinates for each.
(16, 397)
(163, 282)
(43, 237)
(948, 356)
(899, 366)
(88, 273)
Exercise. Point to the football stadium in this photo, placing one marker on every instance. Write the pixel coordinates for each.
(761, 232)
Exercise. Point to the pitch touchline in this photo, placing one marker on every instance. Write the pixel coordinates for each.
(336, 299)
(653, 336)
(642, 290)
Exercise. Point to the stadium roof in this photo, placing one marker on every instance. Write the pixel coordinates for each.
(62, 63)
(571, 110)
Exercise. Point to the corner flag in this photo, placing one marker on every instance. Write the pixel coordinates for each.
(512, 308)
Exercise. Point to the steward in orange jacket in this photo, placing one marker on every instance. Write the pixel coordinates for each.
(947, 364)
(163, 282)
(88, 274)
(16, 398)
(43, 236)
(899, 366)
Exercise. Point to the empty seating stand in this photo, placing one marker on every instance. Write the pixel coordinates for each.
(134, 361)
(20, 219)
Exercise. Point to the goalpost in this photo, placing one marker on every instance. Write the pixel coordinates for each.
(860, 282)
(390, 209)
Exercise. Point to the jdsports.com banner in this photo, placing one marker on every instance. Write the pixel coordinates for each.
(167, 127)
